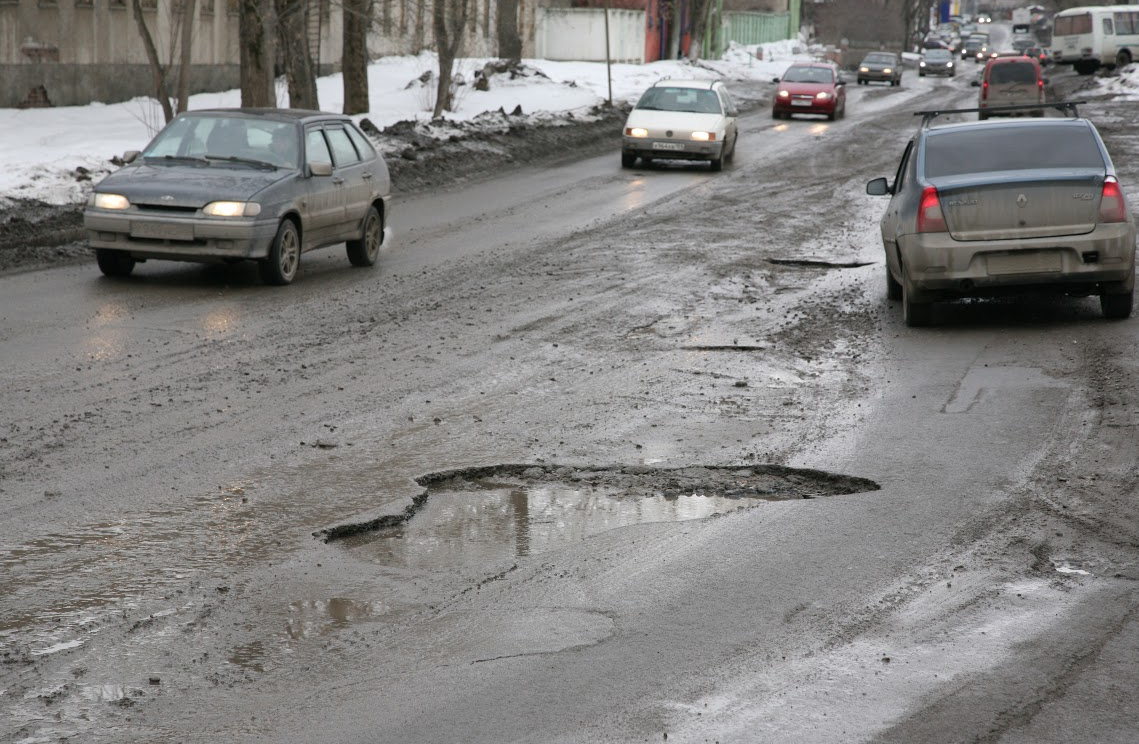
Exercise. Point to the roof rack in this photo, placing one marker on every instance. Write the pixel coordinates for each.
(1062, 106)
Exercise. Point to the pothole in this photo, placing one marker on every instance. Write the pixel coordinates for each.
(804, 263)
(496, 512)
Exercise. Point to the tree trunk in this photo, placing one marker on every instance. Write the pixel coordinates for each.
(256, 23)
(354, 63)
(292, 28)
(157, 71)
(448, 40)
(188, 7)
(701, 13)
(674, 18)
(506, 23)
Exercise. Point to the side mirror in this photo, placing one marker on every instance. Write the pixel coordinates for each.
(732, 112)
(1046, 81)
(841, 81)
(130, 156)
(878, 187)
(975, 84)
(319, 168)
(775, 80)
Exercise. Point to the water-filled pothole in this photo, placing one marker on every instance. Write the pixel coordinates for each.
(491, 513)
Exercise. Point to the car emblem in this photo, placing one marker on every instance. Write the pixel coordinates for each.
(668, 133)
(168, 197)
(1022, 201)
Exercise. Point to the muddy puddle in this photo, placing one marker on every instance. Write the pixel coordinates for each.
(483, 515)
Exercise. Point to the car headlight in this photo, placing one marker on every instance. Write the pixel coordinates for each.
(949, 64)
(637, 132)
(921, 64)
(784, 94)
(822, 95)
(887, 70)
(110, 201)
(864, 69)
(704, 136)
(232, 209)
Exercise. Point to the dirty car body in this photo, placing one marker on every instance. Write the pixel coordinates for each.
(229, 185)
(984, 208)
(681, 120)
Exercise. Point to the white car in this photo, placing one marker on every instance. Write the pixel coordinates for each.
(681, 120)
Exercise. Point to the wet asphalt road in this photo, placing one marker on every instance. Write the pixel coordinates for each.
(171, 443)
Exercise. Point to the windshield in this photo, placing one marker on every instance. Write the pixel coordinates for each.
(808, 75)
(1010, 148)
(213, 138)
(938, 55)
(692, 100)
(879, 59)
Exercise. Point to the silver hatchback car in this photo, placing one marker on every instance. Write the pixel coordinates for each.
(982, 208)
(228, 185)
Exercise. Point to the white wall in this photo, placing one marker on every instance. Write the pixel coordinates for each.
(579, 34)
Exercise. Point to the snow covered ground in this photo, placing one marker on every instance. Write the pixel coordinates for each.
(53, 155)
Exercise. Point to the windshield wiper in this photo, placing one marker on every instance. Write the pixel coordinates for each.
(242, 161)
(179, 159)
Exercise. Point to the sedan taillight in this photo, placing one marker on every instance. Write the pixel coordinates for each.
(1112, 208)
(930, 217)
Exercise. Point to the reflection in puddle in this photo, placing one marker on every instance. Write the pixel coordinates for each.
(319, 616)
(250, 656)
(496, 521)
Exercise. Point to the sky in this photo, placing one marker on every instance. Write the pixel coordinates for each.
(42, 148)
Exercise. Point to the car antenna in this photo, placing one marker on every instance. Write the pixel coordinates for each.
(1063, 106)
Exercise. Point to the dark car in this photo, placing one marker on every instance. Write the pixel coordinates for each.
(228, 185)
(810, 88)
(981, 208)
(937, 62)
(1040, 54)
(882, 67)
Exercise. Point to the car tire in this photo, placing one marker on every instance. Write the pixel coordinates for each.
(982, 116)
(776, 115)
(280, 266)
(717, 164)
(915, 312)
(114, 263)
(921, 74)
(832, 116)
(1117, 306)
(1123, 58)
(893, 288)
(627, 160)
(366, 250)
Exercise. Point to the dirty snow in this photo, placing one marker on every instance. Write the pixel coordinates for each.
(43, 148)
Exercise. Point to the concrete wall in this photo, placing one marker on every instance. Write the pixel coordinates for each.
(78, 84)
(579, 34)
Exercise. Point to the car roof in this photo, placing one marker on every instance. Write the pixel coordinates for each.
(950, 127)
(705, 84)
(276, 114)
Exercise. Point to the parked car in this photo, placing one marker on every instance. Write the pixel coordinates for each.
(936, 62)
(1040, 54)
(981, 208)
(810, 88)
(228, 185)
(882, 67)
(1010, 81)
(681, 120)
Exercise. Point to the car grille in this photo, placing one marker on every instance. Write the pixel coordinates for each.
(165, 209)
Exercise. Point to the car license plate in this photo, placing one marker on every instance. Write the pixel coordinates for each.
(668, 146)
(800, 103)
(161, 231)
(1034, 262)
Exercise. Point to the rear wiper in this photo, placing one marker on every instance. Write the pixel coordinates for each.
(242, 161)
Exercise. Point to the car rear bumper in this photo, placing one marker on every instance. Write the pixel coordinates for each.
(936, 264)
(666, 149)
(179, 238)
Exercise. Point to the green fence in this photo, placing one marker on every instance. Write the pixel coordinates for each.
(748, 28)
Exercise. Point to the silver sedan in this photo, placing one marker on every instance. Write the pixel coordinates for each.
(983, 208)
(228, 185)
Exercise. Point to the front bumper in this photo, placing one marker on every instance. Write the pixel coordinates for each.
(189, 238)
(930, 70)
(877, 76)
(671, 149)
(809, 105)
(938, 265)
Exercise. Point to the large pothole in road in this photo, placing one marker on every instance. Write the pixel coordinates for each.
(491, 513)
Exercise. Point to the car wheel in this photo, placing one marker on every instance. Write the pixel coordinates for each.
(717, 164)
(1117, 306)
(280, 267)
(1123, 58)
(114, 263)
(832, 115)
(893, 288)
(628, 160)
(982, 116)
(921, 74)
(366, 250)
(915, 313)
(776, 115)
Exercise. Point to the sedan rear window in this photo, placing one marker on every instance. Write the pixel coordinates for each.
(1012, 72)
(1010, 148)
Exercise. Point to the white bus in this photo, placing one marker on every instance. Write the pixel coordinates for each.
(1093, 36)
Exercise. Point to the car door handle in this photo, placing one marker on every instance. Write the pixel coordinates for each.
(338, 181)
(367, 176)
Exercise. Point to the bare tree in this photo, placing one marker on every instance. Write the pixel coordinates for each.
(354, 63)
(449, 19)
(157, 69)
(701, 14)
(506, 23)
(186, 57)
(300, 72)
(257, 26)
